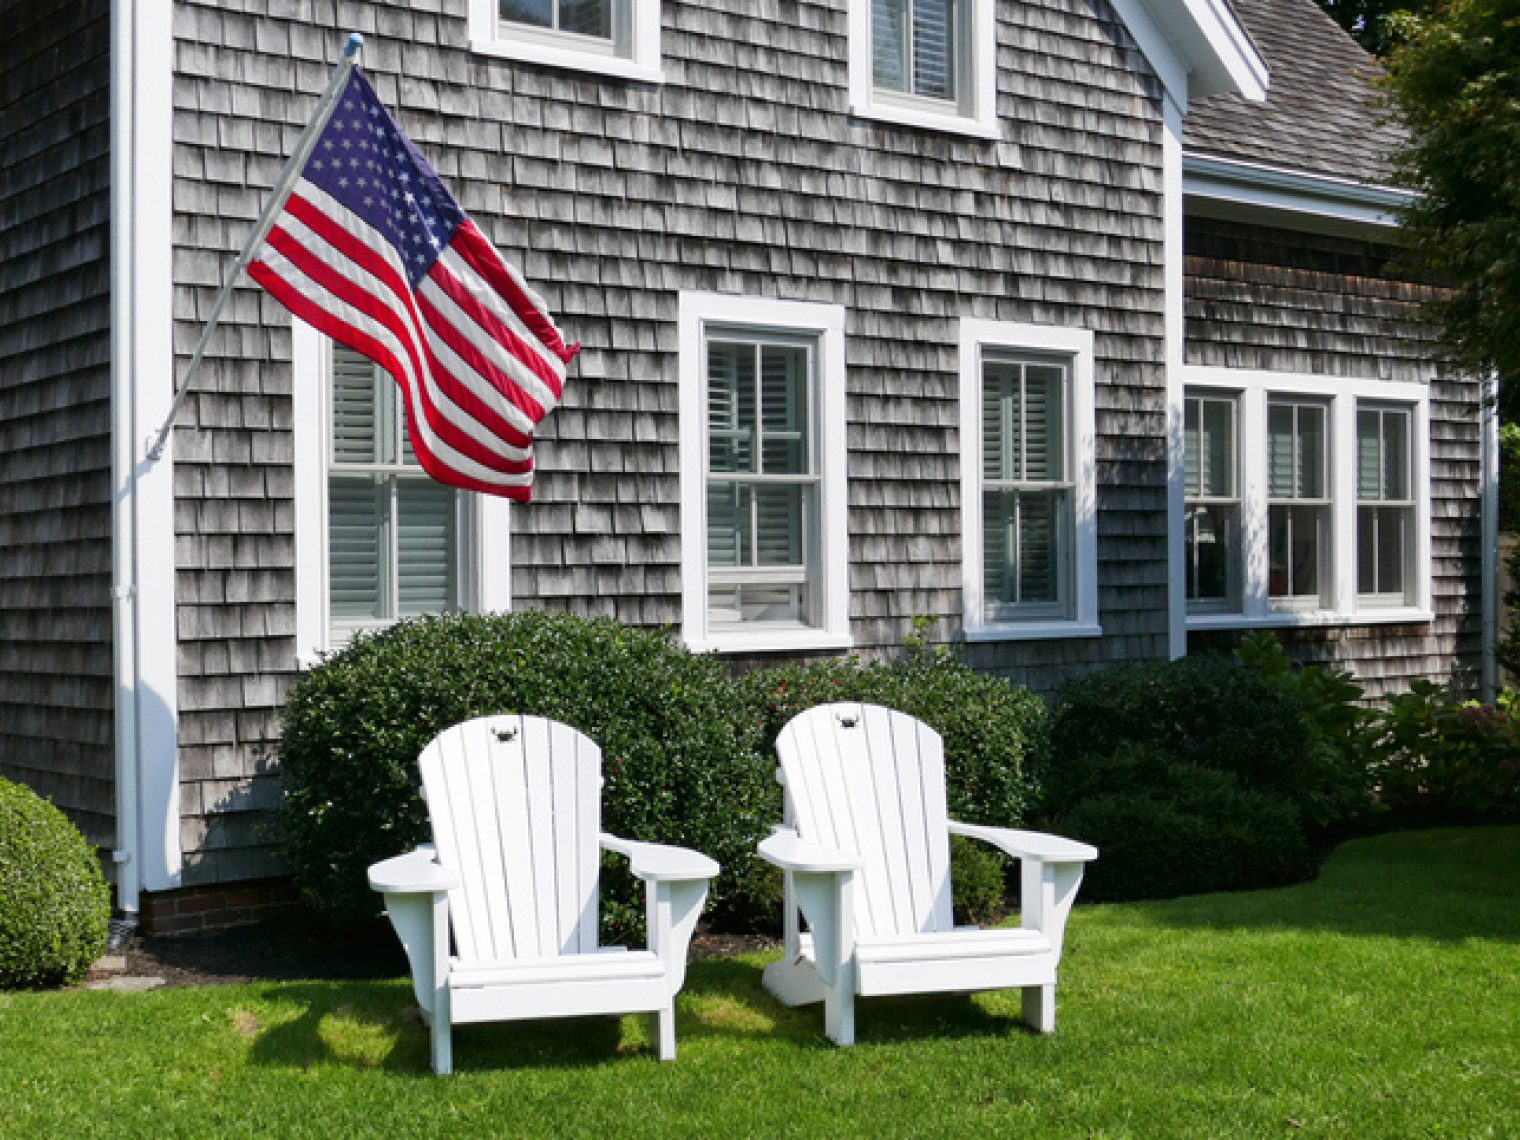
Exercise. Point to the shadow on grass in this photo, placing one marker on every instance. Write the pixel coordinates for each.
(1444, 885)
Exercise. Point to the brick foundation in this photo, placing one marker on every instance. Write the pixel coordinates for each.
(218, 907)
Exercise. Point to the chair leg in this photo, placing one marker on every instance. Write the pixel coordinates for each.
(442, 1034)
(1040, 1008)
(839, 1013)
(665, 1031)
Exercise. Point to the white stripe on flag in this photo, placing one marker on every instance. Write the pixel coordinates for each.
(495, 304)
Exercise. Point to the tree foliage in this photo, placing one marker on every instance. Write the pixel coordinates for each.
(1371, 22)
(1454, 79)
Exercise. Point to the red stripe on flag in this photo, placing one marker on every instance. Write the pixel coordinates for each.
(489, 323)
(345, 289)
(465, 348)
(482, 257)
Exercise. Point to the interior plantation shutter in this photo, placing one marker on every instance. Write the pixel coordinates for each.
(783, 413)
(356, 412)
(933, 48)
(1192, 448)
(427, 544)
(356, 511)
(1280, 474)
(731, 448)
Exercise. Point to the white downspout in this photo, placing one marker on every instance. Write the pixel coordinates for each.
(1489, 513)
(1172, 238)
(128, 851)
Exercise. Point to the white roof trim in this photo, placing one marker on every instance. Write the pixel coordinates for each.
(1197, 47)
(1257, 187)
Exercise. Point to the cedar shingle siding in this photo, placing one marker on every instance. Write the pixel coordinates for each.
(1294, 302)
(55, 390)
(742, 173)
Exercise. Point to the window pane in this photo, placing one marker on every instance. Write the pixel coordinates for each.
(1218, 475)
(1294, 557)
(357, 562)
(1022, 555)
(1280, 483)
(730, 604)
(731, 406)
(1039, 554)
(783, 410)
(934, 48)
(889, 44)
(1311, 452)
(426, 545)
(358, 415)
(586, 17)
(1044, 459)
(728, 524)
(1369, 444)
(539, 13)
(1396, 455)
(1000, 418)
(1382, 547)
(1212, 539)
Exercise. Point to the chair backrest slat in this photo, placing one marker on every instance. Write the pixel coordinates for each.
(515, 804)
(872, 781)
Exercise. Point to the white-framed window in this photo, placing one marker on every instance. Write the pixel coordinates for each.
(1332, 498)
(1211, 517)
(376, 539)
(1385, 505)
(925, 63)
(1028, 518)
(1300, 556)
(762, 454)
(619, 38)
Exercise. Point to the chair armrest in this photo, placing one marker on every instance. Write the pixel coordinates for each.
(1035, 845)
(660, 862)
(786, 849)
(416, 872)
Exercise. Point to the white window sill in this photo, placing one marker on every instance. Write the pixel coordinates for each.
(614, 66)
(1308, 618)
(947, 122)
(1033, 631)
(772, 641)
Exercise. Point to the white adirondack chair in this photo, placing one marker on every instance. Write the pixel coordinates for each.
(866, 851)
(515, 805)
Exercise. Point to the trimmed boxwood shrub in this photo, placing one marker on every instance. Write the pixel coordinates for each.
(679, 765)
(995, 734)
(55, 907)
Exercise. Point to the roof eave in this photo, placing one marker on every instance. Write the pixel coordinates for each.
(1240, 187)
(1197, 47)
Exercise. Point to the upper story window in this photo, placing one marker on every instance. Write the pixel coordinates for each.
(1306, 499)
(1211, 464)
(619, 38)
(1027, 481)
(1385, 505)
(762, 474)
(925, 63)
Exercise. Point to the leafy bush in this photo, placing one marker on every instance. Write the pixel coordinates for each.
(1191, 831)
(680, 766)
(1442, 756)
(1203, 773)
(995, 733)
(978, 885)
(54, 903)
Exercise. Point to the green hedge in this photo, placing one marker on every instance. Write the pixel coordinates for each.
(1444, 758)
(680, 766)
(55, 906)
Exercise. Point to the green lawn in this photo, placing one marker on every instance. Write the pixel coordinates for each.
(1382, 1000)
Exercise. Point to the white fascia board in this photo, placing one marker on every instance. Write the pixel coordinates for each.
(1197, 47)
(1228, 184)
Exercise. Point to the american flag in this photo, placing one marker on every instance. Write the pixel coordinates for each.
(371, 249)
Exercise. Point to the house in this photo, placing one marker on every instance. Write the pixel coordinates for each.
(1069, 324)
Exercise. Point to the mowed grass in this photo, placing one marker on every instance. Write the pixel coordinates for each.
(1382, 1000)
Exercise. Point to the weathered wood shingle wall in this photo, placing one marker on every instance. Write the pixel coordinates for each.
(1263, 298)
(743, 173)
(55, 390)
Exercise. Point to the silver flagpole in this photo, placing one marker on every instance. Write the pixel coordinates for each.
(261, 228)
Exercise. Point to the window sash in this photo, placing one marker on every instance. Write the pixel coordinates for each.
(1385, 523)
(602, 26)
(762, 479)
(918, 49)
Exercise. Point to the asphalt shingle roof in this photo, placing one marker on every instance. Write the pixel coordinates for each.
(1321, 114)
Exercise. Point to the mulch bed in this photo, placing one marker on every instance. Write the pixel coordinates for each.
(302, 948)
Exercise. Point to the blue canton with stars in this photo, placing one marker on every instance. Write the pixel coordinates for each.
(364, 161)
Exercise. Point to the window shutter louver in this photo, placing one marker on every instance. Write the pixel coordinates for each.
(1192, 448)
(933, 49)
(356, 414)
(1038, 541)
(783, 410)
(1280, 451)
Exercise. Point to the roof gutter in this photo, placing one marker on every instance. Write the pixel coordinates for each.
(1252, 186)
